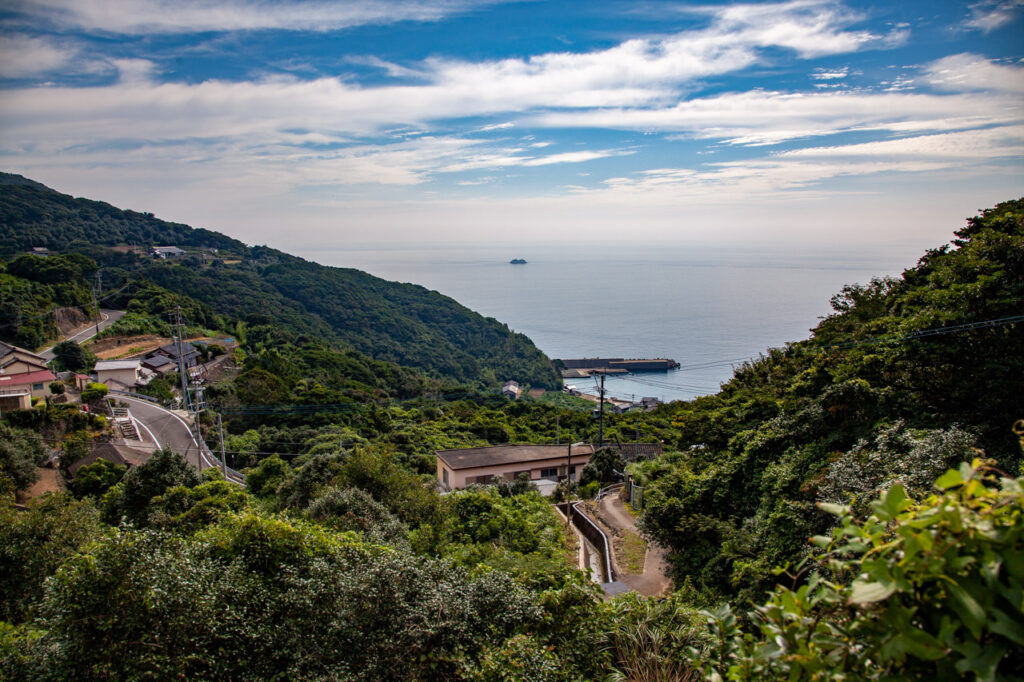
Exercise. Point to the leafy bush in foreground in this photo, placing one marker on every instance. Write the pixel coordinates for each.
(930, 590)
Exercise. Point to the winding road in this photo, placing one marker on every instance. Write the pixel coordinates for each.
(107, 318)
(166, 429)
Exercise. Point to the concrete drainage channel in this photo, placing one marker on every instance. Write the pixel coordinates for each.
(597, 538)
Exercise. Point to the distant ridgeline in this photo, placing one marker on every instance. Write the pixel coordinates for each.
(400, 323)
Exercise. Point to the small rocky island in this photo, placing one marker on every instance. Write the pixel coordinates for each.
(518, 261)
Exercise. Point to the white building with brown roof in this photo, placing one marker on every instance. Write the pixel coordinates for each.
(543, 463)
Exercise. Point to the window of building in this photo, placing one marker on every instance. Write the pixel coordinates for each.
(444, 476)
(37, 387)
(545, 473)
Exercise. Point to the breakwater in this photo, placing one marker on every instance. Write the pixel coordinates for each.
(621, 364)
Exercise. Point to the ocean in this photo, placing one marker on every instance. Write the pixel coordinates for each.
(708, 308)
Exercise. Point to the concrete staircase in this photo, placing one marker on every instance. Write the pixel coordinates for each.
(128, 430)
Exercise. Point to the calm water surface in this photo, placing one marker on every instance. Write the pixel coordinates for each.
(705, 307)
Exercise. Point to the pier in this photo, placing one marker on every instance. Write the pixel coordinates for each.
(584, 367)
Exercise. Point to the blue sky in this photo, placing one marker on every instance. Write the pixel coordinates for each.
(302, 124)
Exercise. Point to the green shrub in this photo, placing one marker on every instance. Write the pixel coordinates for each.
(94, 391)
(915, 591)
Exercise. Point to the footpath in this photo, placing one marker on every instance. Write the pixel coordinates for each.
(654, 581)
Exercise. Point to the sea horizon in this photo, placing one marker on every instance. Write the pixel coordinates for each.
(709, 307)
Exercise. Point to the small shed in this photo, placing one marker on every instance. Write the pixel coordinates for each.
(115, 454)
(512, 390)
(166, 252)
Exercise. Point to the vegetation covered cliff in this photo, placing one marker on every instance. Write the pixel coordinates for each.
(345, 308)
(907, 377)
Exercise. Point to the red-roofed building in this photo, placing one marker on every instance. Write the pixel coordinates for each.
(18, 389)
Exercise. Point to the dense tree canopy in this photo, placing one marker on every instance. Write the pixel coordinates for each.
(339, 308)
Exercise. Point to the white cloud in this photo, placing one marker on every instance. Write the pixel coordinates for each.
(810, 27)
(276, 134)
(496, 126)
(191, 16)
(830, 74)
(971, 73)
(752, 179)
(976, 145)
(22, 56)
(636, 73)
(760, 117)
(992, 14)
(574, 157)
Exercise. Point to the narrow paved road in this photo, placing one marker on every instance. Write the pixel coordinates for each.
(107, 318)
(165, 429)
(655, 581)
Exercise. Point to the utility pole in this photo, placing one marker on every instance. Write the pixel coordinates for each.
(223, 456)
(95, 290)
(198, 437)
(637, 453)
(181, 363)
(568, 496)
(558, 429)
(600, 421)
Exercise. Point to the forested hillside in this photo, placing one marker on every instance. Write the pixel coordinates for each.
(861, 488)
(401, 323)
(867, 401)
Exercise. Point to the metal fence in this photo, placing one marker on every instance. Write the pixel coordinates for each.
(634, 493)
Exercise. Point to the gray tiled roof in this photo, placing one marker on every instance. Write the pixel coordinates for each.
(471, 458)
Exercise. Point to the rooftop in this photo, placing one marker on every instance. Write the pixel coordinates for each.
(21, 378)
(7, 349)
(109, 365)
(172, 349)
(117, 454)
(496, 455)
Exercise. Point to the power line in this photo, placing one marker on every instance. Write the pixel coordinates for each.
(924, 333)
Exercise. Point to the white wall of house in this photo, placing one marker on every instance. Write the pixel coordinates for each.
(453, 479)
(126, 375)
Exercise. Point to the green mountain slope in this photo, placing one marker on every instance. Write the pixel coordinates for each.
(868, 401)
(401, 323)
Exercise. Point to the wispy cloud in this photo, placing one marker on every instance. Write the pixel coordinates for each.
(279, 134)
(633, 75)
(973, 73)
(830, 74)
(975, 145)
(497, 126)
(23, 56)
(752, 179)
(992, 14)
(193, 16)
(761, 118)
